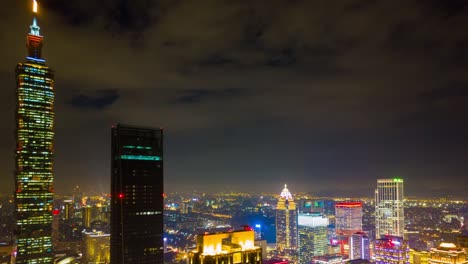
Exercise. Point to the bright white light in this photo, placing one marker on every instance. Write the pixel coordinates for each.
(34, 6)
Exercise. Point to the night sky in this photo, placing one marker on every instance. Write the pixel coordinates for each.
(326, 96)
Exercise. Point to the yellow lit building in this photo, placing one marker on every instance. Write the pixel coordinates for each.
(447, 253)
(286, 222)
(418, 257)
(95, 247)
(228, 248)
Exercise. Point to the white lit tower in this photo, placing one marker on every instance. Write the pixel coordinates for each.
(286, 222)
(389, 212)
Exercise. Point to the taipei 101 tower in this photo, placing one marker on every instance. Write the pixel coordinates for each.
(34, 152)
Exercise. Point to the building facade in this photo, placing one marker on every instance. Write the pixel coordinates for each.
(447, 253)
(95, 247)
(34, 153)
(391, 250)
(359, 246)
(312, 242)
(228, 248)
(136, 195)
(348, 218)
(286, 222)
(389, 211)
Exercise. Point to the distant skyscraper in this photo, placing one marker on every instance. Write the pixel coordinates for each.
(348, 218)
(312, 242)
(313, 236)
(286, 221)
(391, 250)
(95, 247)
(359, 246)
(389, 212)
(34, 151)
(137, 195)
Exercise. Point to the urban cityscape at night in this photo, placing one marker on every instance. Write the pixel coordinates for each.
(227, 132)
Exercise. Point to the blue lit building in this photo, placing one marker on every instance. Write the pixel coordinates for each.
(34, 153)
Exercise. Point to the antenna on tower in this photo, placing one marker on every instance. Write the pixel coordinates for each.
(35, 6)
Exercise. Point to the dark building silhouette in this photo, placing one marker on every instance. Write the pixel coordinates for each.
(34, 153)
(137, 195)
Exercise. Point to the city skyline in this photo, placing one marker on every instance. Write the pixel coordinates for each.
(344, 100)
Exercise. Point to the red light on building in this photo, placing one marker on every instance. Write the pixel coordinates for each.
(121, 195)
(56, 212)
(348, 204)
(248, 228)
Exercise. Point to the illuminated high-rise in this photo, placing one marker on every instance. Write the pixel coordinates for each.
(286, 222)
(313, 236)
(389, 212)
(359, 246)
(136, 195)
(348, 218)
(312, 242)
(391, 250)
(34, 152)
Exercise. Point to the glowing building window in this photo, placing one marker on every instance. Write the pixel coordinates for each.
(139, 157)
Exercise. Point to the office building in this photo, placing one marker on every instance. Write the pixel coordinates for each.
(68, 210)
(313, 239)
(95, 247)
(359, 246)
(418, 257)
(392, 250)
(136, 195)
(286, 222)
(447, 253)
(348, 218)
(312, 242)
(227, 247)
(389, 212)
(87, 216)
(34, 152)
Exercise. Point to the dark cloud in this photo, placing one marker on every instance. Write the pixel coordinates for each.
(202, 95)
(101, 100)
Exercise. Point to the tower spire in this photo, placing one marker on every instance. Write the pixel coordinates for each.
(34, 27)
(34, 39)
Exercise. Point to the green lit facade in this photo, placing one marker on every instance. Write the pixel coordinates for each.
(34, 154)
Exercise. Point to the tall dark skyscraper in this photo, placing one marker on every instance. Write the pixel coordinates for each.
(34, 151)
(137, 195)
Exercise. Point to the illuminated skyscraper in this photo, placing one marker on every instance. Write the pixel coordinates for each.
(286, 221)
(34, 151)
(359, 246)
(348, 217)
(136, 195)
(313, 237)
(389, 212)
(348, 220)
(391, 250)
